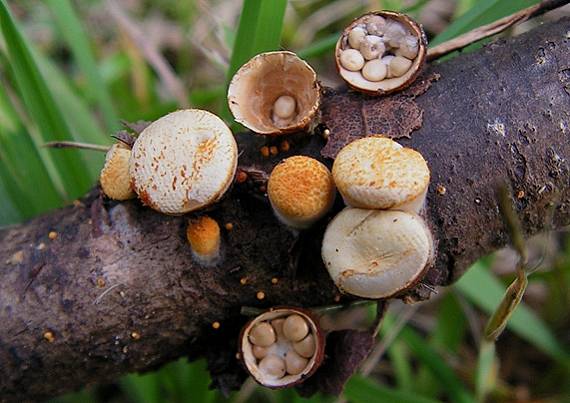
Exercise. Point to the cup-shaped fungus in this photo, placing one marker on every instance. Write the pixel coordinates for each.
(392, 38)
(203, 235)
(184, 161)
(378, 173)
(274, 93)
(115, 180)
(301, 191)
(376, 253)
(282, 347)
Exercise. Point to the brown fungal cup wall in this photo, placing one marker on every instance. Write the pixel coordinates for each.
(282, 347)
(355, 70)
(263, 80)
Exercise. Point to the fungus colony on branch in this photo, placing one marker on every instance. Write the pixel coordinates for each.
(281, 347)
(381, 52)
(377, 247)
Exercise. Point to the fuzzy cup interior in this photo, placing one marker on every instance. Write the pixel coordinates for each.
(265, 78)
(280, 347)
(355, 78)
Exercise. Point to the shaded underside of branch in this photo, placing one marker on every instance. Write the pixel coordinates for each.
(117, 290)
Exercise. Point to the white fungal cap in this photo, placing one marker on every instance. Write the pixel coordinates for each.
(376, 253)
(262, 81)
(301, 190)
(378, 173)
(115, 180)
(184, 161)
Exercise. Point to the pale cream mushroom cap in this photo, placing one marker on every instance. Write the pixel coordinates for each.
(378, 173)
(115, 179)
(258, 84)
(376, 253)
(184, 161)
(301, 190)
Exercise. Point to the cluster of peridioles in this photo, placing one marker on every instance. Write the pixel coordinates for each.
(377, 247)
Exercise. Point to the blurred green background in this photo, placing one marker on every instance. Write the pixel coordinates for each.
(71, 70)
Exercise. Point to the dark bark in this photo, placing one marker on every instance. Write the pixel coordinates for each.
(118, 291)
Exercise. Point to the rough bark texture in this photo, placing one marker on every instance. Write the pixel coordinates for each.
(118, 291)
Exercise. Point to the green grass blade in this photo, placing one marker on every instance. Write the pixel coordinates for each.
(482, 12)
(83, 125)
(486, 292)
(486, 374)
(41, 106)
(72, 32)
(434, 362)
(364, 390)
(400, 360)
(259, 30)
(320, 47)
(23, 174)
(142, 388)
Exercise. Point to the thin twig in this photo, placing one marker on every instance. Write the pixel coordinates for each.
(493, 28)
(74, 144)
(151, 53)
(387, 340)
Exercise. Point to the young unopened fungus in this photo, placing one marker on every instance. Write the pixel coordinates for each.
(115, 179)
(301, 190)
(203, 235)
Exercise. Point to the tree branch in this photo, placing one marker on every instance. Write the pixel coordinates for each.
(117, 290)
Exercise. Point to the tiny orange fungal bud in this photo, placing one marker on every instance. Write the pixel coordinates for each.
(273, 150)
(284, 146)
(49, 336)
(52, 235)
(274, 280)
(243, 280)
(100, 282)
(440, 189)
(241, 176)
(229, 226)
(264, 151)
(260, 295)
(216, 325)
(203, 234)
(135, 335)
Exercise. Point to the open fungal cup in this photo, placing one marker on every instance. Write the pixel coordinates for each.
(378, 173)
(115, 180)
(274, 93)
(301, 190)
(282, 347)
(381, 52)
(376, 253)
(184, 161)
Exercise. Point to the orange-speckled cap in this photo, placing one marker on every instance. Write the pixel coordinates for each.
(115, 180)
(301, 190)
(203, 234)
(184, 161)
(378, 173)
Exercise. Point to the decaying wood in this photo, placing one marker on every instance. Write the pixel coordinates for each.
(117, 290)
